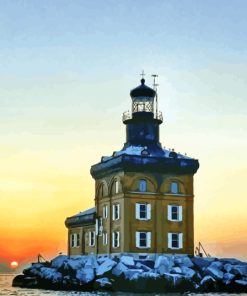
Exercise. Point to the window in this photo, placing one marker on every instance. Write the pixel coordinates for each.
(72, 240)
(116, 186)
(115, 239)
(75, 240)
(174, 187)
(105, 212)
(143, 211)
(115, 211)
(142, 185)
(91, 238)
(175, 213)
(104, 238)
(143, 239)
(175, 240)
(102, 192)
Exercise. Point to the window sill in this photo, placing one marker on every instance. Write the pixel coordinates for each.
(143, 247)
(175, 248)
(140, 219)
(174, 220)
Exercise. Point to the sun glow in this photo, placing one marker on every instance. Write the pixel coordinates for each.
(14, 264)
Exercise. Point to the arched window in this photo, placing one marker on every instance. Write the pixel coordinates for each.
(115, 187)
(142, 185)
(102, 191)
(174, 188)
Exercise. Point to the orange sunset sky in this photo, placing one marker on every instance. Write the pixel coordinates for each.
(66, 69)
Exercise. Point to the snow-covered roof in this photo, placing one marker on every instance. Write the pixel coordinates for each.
(86, 212)
(138, 150)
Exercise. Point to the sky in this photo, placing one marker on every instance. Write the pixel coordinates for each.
(66, 69)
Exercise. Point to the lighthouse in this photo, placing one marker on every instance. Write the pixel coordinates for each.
(144, 194)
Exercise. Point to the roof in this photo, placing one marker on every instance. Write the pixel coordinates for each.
(144, 151)
(86, 212)
(84, 218)
(142, 91)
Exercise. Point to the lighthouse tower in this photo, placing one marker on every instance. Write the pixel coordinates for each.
(143, 193)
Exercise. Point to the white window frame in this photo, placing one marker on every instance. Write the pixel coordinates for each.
(91, 238)
(115, 212)
(105, 211)
(174, 183)
(74, 240)
(142, 186)
(105, 238)
(180, 240)
(147, 210)
(148, 239)
(179, 212)
(116, 238)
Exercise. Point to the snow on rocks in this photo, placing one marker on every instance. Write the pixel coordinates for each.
(163, 264)
(228, 277)
(107, 265)
(85, 275)
(58, 261)
(215, 273)
(104, 282)
(119, 269)
(188, 272)
(127, 260)
(168, 273)
(50, 274)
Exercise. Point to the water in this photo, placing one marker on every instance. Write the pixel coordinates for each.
(6, 289)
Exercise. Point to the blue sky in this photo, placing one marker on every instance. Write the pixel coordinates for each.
(66, 69)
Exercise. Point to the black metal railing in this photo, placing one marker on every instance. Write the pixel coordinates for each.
(127, 115)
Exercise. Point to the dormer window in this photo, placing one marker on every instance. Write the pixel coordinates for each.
(142, 185)
(174, 187)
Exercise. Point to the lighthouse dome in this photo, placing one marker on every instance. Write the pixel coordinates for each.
(142, 91)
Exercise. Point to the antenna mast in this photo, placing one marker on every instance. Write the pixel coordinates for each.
(156, 96)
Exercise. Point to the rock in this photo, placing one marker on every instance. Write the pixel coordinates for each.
(119, 269)
(91, 262)
(174, 279)
(144, 267)
(176, 270)
(127, 260)
(186, 262)
(241, 282)
(215, 273)
(50, 274)
(208, 283)
(239, 270)
(227, 278)
(240, 286)
(107, 265)
(24, 281)
(163, 264)
(188, 272)
(85, 275)
(131, 273)
(58, 261)
(202, 262)
(104, 282)
(228, 267)
(216, 265)
(146, 275)
(76, 263)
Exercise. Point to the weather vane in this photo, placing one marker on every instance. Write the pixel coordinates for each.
(142, 74)
(155, 84)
